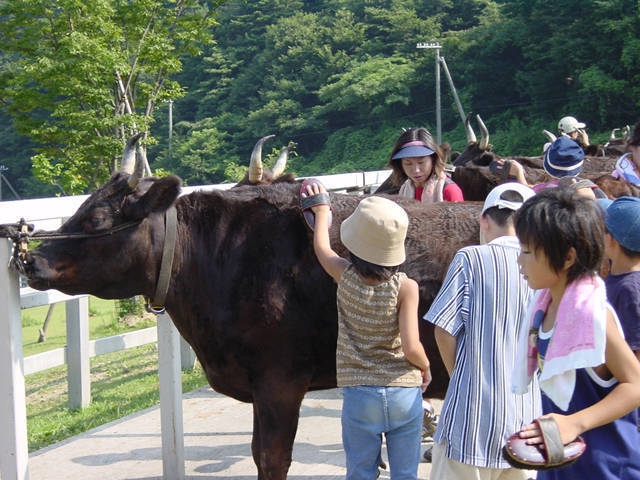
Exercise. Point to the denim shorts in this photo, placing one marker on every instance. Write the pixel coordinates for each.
(370, 411)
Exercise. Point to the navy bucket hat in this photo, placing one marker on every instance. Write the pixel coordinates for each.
(564, 158)
(623, 222)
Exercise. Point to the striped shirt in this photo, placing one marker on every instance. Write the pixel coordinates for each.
(369, 350)
(483, 302)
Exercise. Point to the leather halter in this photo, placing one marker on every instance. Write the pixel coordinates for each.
(156, 305)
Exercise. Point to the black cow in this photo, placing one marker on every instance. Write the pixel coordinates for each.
(246, 290)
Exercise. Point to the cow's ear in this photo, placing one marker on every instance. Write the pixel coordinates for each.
(158, 197)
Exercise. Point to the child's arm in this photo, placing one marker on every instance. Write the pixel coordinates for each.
(408, 298)
(623, 365)
(332, 263)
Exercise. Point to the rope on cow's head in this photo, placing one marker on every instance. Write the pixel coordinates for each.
(22, 232)
(19, 234)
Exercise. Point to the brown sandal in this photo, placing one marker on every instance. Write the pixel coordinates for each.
(501, 169)
(554, 454)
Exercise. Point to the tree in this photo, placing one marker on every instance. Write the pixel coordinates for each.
(575, 58)
(80, 77)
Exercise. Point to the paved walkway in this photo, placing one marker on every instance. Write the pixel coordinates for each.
(217, 436)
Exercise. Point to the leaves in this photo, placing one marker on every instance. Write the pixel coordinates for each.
(339, 77)
(80, 77)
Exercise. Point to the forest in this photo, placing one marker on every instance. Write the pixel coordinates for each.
(340, 78)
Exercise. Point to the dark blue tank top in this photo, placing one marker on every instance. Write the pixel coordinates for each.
(613, 450)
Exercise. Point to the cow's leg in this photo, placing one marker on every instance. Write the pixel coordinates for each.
(275, 420)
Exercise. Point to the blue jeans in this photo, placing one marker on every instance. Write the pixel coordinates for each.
(370, 411)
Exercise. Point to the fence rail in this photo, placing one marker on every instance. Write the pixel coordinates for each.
(79, 345)
(49, 214)
(100, 346)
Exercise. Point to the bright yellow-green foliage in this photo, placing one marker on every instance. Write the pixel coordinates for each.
(80, 77)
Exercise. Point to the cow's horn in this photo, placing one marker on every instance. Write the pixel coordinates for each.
(255, 165)
(484, 140)
(128, 163)
(613, 134)
(138, 173)
(281, 163)
(471, 135)
(552, 138)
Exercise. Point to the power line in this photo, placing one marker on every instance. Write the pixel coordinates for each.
(6, 180)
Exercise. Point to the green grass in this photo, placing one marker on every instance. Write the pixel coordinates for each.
(121, 382)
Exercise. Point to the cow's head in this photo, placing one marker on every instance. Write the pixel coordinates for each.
(477, 152)
(93, 252)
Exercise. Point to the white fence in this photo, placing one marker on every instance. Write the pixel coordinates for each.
(49, 214)
(79, 348)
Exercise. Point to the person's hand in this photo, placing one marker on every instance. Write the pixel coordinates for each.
(516, 170)
(315, 189)
(583, 137)
(426, 378)
(568, 431)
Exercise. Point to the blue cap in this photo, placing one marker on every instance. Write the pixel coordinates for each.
(563, 158)
(623, 222)
(414, 149)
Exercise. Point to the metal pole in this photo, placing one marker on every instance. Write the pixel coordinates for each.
(436, 46)
(463, 116)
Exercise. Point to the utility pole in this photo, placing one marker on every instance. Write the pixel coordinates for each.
(170, 126)
(436, 47)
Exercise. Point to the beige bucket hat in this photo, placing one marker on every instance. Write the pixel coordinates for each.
(376, 231)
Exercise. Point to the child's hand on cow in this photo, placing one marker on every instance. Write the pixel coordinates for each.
(315, 189)
(516, 170)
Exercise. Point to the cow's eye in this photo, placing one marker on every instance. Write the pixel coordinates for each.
(98, 221)
(94, 223)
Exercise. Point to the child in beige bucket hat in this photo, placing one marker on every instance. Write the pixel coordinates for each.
(376, 231)
(381, 365)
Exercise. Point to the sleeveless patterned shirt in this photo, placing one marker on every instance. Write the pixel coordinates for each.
(369, 348)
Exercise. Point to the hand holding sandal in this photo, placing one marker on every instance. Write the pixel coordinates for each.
(554, 454)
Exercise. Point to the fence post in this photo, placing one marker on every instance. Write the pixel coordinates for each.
(78, 366)
(14, 449)
(187, 355)
(170, 379)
